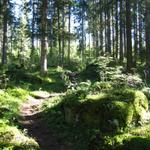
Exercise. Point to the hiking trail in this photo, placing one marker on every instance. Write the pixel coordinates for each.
(36, 127)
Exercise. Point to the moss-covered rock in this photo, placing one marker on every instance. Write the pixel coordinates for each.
(10, 136)
(136, 138)
(137, 143)
(111, 110)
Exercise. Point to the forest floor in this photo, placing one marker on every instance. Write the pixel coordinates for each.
(38, 116)
(32, 121)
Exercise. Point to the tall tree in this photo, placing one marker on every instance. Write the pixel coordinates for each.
(147, 31)
(33, 28)
(5, 21)
(44, 42)
(121, 31)
(69, 28)
(116, 27)
(135, 32)
(129, 37)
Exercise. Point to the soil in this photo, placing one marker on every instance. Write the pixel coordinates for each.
(36, 127)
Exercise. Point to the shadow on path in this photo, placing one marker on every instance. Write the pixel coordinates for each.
(32, 121)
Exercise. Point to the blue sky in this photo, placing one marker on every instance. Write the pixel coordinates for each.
(18, 4)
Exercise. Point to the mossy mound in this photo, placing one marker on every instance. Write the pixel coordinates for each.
(135, 139)
(136, 143)
(95, 70)
(12, 138)
(91, 72)
(110, 110)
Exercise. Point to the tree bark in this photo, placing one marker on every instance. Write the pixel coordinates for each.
(44, 37)
(116, 28)
(5, 20)
(121, 31)
(147, 32)
(69, 28)
(129, 38)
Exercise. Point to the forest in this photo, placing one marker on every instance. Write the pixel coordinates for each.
(74, 74)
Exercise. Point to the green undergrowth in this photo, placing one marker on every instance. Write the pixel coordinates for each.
(32, 80)
(16, 85)
(10, 101)
(11, 137)
(103, 112)
(103, 108)
(107, 69)
(80, 135)
(86, 119)
(136, 138)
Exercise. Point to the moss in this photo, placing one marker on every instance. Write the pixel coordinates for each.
(137, 143)
(18, 93)
(11, 136)
(108, 115)
(69, 115)
(140, 104)
(95, 97)
(137, 138)
(131, 142)
(130, 114)
(9, 106)
(110, 110)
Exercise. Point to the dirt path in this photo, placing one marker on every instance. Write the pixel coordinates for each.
(32, 121)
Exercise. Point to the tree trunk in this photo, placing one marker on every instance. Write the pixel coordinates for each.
(121, 31)
(135, 34)
(44, 38)
(116, 27)
(63, 34)
(69, 28)
(59, 37)
(129, 37)
(5, 19)
(147, 32)
(33, 30)
(140, 32)
(109, 30)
